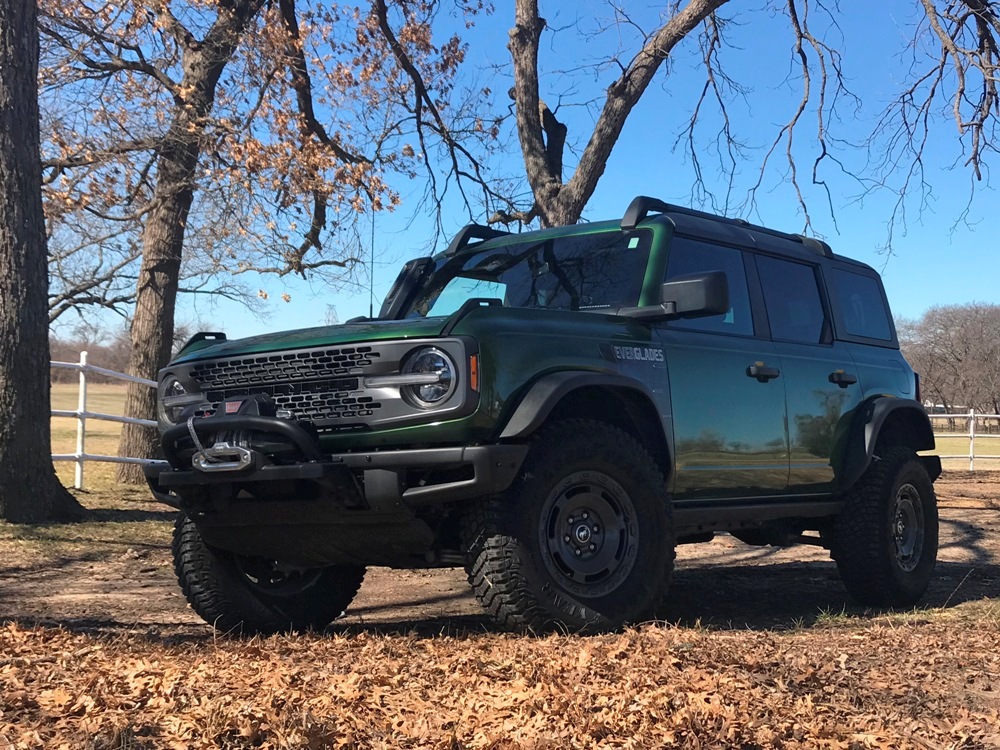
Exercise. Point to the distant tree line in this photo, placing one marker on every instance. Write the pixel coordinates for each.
(112, 355)
(956, 350)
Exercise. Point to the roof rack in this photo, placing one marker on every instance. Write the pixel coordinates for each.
(818, 246)
(472, 232)
(642, 205)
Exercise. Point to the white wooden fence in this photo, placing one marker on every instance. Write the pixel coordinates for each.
(81, 415)
(990, 442)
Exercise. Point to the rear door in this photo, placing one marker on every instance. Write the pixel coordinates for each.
(821, 379)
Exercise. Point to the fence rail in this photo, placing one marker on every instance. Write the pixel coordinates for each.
(81, 415)
(973, 418)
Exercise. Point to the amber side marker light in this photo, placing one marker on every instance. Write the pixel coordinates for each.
(474, 372)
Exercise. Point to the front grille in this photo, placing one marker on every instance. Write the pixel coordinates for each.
(311, 384)
(284, 366)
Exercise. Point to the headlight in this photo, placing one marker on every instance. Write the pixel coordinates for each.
(174, 399)
(436, 369)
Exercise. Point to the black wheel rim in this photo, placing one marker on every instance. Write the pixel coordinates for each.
(589, 536)
(274, 579)
(908, 527)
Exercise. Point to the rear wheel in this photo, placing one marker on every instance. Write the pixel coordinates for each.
(245, 595)
(583, 540)
(885, 539)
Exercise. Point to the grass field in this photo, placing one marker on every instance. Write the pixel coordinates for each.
(958, 445)
(101, 438)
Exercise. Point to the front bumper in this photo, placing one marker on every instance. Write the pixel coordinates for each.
(284, 499)
(383, 475)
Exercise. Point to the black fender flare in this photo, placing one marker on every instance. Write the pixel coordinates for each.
(869, 419)
(545, 393)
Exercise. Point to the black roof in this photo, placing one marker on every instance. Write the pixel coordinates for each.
(707, 225)
(686, 221)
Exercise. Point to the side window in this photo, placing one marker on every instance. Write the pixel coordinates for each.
(791, 295)
(861, 305)
(690, 256)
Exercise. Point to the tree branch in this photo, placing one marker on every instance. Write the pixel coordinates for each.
(114, 64)
(302, 84)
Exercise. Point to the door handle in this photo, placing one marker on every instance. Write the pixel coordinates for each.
(843, 379)
(762, 372)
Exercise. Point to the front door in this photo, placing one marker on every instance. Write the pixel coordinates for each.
(727, 390)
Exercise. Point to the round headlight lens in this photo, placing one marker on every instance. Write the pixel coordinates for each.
(173, 399)
(429, 361)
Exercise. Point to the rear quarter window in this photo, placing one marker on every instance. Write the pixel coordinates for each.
(862, 306)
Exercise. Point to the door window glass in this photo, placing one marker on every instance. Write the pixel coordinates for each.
(689, 256)
(791, 296)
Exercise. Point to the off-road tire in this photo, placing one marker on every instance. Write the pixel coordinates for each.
(865, 539)
(510, 560)
(217, 587)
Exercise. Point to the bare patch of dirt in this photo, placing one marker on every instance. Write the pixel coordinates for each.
(116, 573)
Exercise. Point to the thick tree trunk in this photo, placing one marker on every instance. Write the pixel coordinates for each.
(152, 329)
(29, 490)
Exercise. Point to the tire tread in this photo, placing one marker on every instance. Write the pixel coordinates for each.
(495, 568)
(216, 592)
(860, 534)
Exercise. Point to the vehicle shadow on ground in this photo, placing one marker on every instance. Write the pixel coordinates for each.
(792, 595)
(129, 515)
(782, 596)
(722, 588)
(969, 537)
(778, 597)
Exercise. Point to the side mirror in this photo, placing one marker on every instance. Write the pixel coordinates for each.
(693, 296)
(696, 295)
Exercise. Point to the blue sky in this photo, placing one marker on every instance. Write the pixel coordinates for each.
(935, 259)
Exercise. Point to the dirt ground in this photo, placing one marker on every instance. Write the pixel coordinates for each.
(761, 650)
(115, 573)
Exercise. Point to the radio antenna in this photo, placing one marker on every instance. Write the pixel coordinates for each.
(371, 265)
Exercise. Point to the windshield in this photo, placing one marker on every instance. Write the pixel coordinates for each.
(584, 272)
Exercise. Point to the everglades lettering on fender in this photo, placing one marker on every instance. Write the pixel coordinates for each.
(632, 353)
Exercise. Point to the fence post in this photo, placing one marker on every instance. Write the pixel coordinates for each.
(972, 439)
(81, 422)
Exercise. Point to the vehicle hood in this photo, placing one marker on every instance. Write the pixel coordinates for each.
(308, 338)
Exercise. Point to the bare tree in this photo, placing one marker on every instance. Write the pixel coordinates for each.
(956, 350)
(543, 137)
(29, 489)
(954, 67)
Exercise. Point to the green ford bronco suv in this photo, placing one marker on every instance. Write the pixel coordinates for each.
(555, 410)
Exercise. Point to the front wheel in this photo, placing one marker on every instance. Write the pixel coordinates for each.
(241, 594)
(583, 540)
(885, 539)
